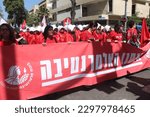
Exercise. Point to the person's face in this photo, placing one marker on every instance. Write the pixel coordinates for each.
(94, 28)
(50, 32)
(98, 30)
(4, 31)
(62, 30)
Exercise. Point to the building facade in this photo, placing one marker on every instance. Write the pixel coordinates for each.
(100, 10)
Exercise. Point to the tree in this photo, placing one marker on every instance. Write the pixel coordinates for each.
(32, 19)
(16, 10)
(43, 12)
(135, 18)
(73, 7)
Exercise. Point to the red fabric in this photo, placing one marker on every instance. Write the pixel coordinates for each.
(51, 40)
(1, 43)
(57, 37)
(145, 37)
(32, 71)
(86, 35)
(69, 38)
(39, 38)
(31, 39)
(115, 37)
(62, 37)
(23, 26)
(25, 35)
(66, 21)
(4, 43)
(132, 34)
(77, 35)
(105, 36)
(98, 36)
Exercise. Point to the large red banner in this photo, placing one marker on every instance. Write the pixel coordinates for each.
(30, 71)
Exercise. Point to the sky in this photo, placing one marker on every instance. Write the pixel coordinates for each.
(28, 5)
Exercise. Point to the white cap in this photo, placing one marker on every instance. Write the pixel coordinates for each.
(71, 27)
(54, 26)
(80, 27)
(32, 29)
(98, 25)
(107, 28)
(60, 27)
(86, 25)
(38, 28)
(66, 27)
(102, 27)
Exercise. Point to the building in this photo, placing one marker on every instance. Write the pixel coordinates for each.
(105, 11)
(46, 4)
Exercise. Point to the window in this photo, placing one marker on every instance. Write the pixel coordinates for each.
(110, 5)
(54, 5)
(84, 11)
(133, 9)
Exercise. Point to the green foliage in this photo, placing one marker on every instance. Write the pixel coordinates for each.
(135, 18)
(42, 12)
(32, 19)
(16, 10)
(35, 18)
(148, 21)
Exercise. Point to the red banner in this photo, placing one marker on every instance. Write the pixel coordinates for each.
(30, 71)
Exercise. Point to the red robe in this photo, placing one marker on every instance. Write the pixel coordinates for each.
(62, 37)
(86, 35)
(116, 37)
(77, 35)
(69, 38)
(132, 34)
(98, 36)
(51, 40)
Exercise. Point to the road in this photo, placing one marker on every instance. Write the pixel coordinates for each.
(131, 87)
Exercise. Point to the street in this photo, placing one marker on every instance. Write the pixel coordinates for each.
(132, 87)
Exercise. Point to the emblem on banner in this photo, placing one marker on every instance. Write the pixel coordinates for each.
(19, 77)
(15, 77)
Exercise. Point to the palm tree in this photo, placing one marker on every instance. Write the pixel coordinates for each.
(43, 12)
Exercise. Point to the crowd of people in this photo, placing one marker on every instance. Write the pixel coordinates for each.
(70, 33)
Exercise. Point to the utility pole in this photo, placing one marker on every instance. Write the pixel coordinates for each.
(73, 8)
(125, 15)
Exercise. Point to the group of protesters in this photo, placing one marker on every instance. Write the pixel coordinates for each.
(70, 33)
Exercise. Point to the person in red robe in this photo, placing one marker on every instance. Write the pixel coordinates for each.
(48, 35)
(56, 34)
(39, 38)
(77, 35)
(116, 35)
(132, 34)
(7, 35)
(62, 35)
(87, 35)
(98, 34)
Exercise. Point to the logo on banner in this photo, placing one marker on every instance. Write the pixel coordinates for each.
(148, 54)
(19, 77)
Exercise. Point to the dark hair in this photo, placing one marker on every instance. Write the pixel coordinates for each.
(117, 27)
(45, 33)
(131, 23)
(92, 24)
(11, 36)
